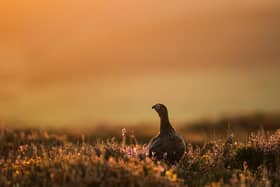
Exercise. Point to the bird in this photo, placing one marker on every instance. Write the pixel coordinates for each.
(168, 145)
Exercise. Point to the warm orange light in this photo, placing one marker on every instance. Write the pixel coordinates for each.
(109, 61)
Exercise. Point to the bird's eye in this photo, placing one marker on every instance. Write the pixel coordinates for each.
(157, 107)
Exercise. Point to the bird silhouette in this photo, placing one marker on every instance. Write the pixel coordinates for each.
(167, 145)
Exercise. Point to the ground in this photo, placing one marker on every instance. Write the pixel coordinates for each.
(34, 157)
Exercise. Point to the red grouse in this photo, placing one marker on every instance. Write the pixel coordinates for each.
(168, 145)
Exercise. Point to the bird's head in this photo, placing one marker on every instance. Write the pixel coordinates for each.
(160, 109)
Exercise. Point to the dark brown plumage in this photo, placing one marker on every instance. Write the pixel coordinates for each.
(168, 145)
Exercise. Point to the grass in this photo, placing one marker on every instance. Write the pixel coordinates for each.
(33, 157)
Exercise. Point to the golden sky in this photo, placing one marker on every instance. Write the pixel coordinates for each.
(109, 61)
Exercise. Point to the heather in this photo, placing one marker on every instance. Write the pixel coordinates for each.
(34, 157)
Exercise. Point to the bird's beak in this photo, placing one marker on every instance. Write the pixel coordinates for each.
(154, 107)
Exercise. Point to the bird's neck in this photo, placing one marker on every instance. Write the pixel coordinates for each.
(165, 125)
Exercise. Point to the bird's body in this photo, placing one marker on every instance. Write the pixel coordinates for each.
(170, 148)
(168, 145)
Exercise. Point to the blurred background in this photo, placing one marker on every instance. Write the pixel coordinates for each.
(82, 63)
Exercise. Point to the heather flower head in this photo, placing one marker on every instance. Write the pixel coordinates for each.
(123, 132)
